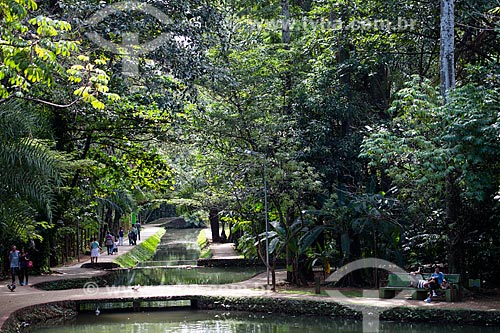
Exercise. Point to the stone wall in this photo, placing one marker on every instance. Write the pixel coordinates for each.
(38, 315)
(237, 262)
(60, 312)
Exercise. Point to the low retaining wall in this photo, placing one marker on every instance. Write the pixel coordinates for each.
(458, 316)
(37, 315)
(295, 307)
(142, 252)
(59, 312)
(76, 283)
(101, 265)
(236, 262)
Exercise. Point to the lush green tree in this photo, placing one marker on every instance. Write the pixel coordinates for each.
(30, 175)
(235, 88)
(111, 144)
(431, 149)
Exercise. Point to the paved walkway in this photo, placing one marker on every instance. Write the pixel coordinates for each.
(221, 250)
(26, 295)
(76, 269)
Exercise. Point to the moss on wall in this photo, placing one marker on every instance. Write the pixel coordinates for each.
(142, 252)
(202, 240)
(61, 311)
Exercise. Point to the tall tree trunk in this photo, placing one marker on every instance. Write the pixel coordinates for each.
(454, 223)
(380, 88)
(85, 151)
(285, 24)
(286, 38)
(213, 217)
(375, 253)
(273, 278)
(108, 219)
(447, 50)
(223, 236)
(292, 256)
(289, 266)
(447, 76)
(116, 221)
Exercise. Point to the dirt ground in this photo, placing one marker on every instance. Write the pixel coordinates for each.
(83, 258)
(485, 299)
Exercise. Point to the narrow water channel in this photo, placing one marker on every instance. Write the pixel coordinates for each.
(178, 247)
(234, 322)
(175, 263)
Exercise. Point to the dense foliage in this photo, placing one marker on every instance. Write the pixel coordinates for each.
(322, 118)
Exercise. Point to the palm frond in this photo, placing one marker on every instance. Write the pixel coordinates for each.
(30, 169)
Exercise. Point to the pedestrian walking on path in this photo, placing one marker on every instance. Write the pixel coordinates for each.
(138, 227)
(24, 266)
(131, 237)
(135, 232)
(14, 263)
(94, 251)
(109, 242)
(121, 233)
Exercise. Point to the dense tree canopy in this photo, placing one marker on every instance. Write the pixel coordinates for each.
(330, 110)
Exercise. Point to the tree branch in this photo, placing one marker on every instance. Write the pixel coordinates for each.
(62, 106)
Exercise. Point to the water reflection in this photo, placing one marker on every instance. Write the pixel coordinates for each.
(237, 322)
(177, 247)
(175, 261)
(182, 275)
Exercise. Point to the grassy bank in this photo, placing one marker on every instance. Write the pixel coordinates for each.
(142, 252)
(202, 240)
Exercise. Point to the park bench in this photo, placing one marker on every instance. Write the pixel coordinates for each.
(398, 282)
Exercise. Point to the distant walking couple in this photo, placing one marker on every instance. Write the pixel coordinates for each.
(20, 264)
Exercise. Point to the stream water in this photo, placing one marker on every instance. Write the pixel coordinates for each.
(177, 247)
(175, 263)
(237, 322)
(159, 276)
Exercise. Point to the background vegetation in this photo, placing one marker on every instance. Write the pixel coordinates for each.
(336, 103)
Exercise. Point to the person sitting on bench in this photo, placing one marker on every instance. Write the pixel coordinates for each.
(418, 281)
(435, 282)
